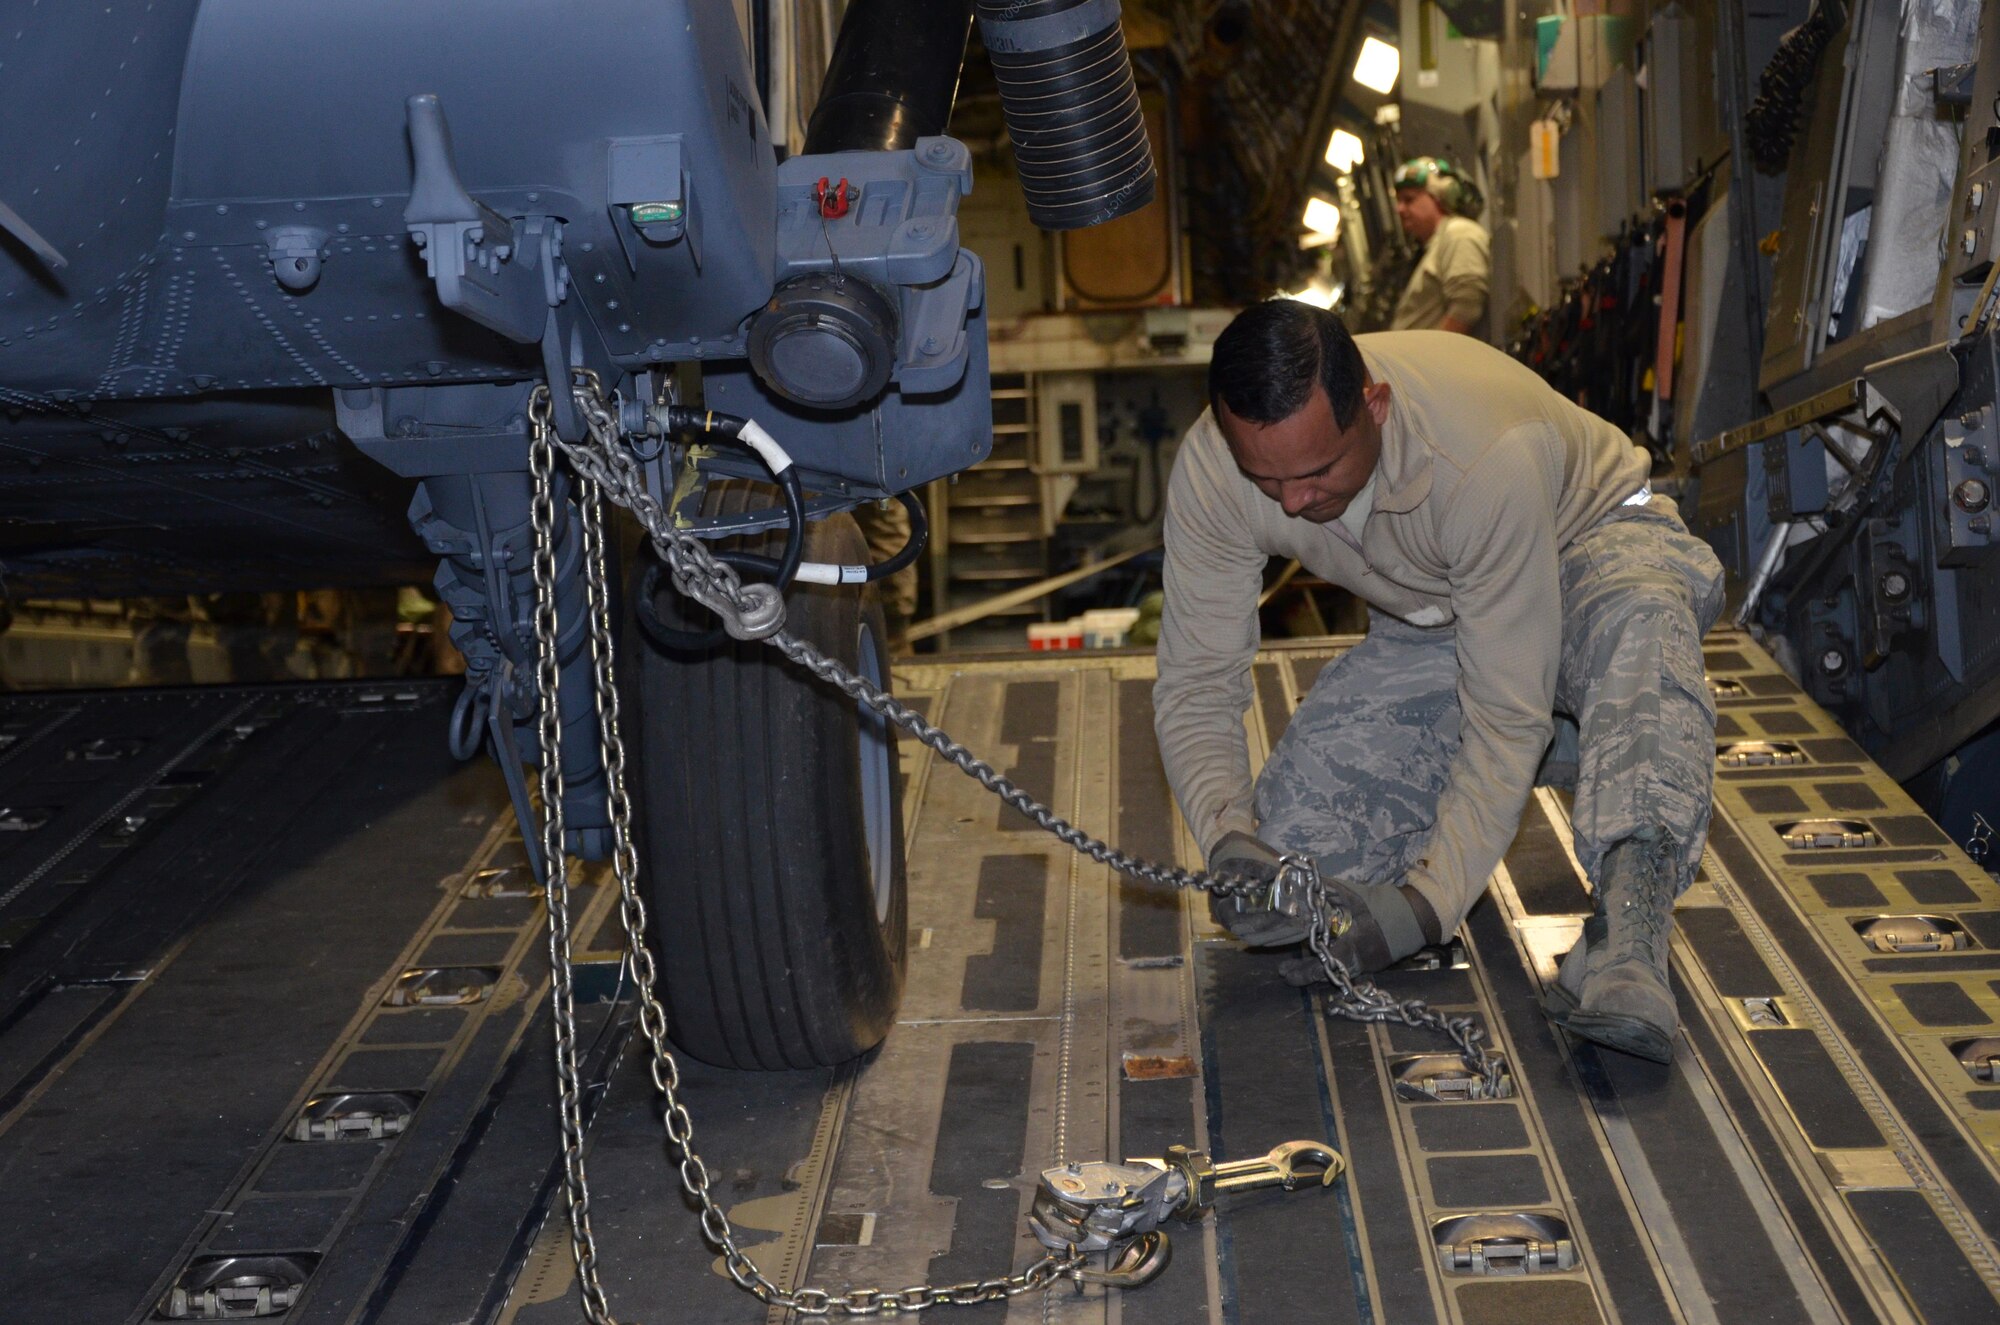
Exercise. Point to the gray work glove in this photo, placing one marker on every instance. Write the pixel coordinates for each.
(1252, 922)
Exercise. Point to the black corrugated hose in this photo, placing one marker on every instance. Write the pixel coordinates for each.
(1072, 108)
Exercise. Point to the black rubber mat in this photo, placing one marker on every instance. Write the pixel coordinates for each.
(1936, 887)
(1149, 917)
(1287, 1254)
(1527, 1304)
(1013, 894)
(1847, 889)
(1848, 797)
(1933, 1270)
(981, 1130)
(1777, 799)
(1805, 1214)
(1376, 1180)
(1742, 1272)
(1908, 830)
(1505, 1182)
(1469, 1127)
(1940, 1003)
(1817, 1094)
(1028, 723)
(1726, 953)
(1544, 876)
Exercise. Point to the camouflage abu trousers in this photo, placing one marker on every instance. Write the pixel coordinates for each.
(1355, 779)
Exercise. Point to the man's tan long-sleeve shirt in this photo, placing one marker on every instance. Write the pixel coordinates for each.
(1485, 474)
(1450, 280)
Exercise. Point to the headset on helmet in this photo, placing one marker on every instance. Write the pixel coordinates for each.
(1439, 178)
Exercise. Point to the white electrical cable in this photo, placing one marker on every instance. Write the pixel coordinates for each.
(752, 435)
(824, 572)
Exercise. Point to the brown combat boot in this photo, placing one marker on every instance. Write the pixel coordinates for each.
(1621, 996)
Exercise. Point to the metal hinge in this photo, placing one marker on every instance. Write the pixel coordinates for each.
(1827, 834)
(101, 748)
(351, 1116)
(442, 986)
(237, 1288)
(1759, 754)
(1912, 934)
(1506, 1244)
(1445, 1079)
(1980, 1058)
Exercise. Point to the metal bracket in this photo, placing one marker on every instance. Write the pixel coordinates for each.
(1117, 1209)
(503, 275)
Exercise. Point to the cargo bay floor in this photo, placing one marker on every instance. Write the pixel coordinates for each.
(210, 900)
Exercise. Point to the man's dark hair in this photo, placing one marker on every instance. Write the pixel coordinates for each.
(1268, 359)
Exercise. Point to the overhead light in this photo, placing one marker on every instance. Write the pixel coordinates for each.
(1322, 217)
(1319, 296)
(1377, 65)
(1343, 150)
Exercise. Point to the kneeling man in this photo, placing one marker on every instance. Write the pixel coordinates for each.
(1535, 612)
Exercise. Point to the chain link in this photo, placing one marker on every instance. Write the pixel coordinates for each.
(604, 468)
(663, 1067)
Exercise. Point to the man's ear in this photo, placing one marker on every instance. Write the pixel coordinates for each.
(1376, 397)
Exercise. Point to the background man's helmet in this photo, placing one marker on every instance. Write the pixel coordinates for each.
(1438, 177)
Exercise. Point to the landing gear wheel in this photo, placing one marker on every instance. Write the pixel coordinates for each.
(771, 827)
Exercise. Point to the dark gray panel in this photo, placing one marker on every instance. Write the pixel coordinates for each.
(1847, 889)
(1778, 799)
(319, 1166)
(982, 1131)
(1028, 717)
(1569, 1303)
(1936, 887)
(1832, 750)
(1503, 1182)
(466, 950)
(386, 1069)
(1909, 830)
(1543, 874)
(1936, 1003)
(1287, 1252)
(415, 1026)
(1819, 1097)
(281, 1223)
(1149, 915)
(1938, 1279)
(1013, 894)
(1469, 1127)
(1845, 797)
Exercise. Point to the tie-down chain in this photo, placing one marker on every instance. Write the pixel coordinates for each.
(1080, 1210)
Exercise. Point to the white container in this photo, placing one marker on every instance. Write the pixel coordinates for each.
(1107, 627)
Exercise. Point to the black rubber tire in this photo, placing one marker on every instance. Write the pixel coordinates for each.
(759, 795)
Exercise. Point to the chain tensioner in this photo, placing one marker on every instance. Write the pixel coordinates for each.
(1081, 1210)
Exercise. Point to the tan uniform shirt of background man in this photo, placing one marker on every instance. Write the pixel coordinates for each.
(1447, 291)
